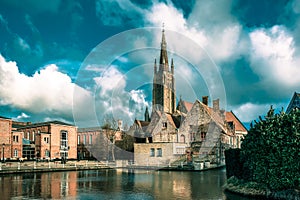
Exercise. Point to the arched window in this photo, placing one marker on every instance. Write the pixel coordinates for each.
(182, 138)
(33, 135)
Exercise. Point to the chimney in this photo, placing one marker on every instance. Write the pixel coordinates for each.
(205, 100)
(216, 105)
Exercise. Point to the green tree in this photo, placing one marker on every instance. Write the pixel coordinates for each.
(270, 151)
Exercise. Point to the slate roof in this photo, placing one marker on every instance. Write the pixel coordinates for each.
(294, 103)
(45, 123)
(4, 117)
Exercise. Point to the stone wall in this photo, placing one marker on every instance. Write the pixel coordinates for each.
(143, 155)
(164, 131)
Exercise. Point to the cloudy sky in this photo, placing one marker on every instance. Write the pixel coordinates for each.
(78, 61)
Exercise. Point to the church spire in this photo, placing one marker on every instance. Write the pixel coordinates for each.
(163, 62)
(147, 116)
(172, 66)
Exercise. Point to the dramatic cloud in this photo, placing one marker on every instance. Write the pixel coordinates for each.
(253, 48)
(47, 91)
(274, 58)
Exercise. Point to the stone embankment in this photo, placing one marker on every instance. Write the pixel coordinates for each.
(32, 166)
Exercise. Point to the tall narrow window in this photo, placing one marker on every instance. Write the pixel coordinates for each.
(91, 138)
(182, 138)
(84, 139)
(47, 153)
(159, 152)
(15, 153)
(28, 135)
(203, 135)
(78, 139)
(64, 139)
(165, 124)
(33, 135)
(152, 152)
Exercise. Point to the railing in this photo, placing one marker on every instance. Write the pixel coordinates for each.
(49, 166)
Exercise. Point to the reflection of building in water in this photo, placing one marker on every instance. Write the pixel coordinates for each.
(14, 186)
(63, 184)
(58, 185)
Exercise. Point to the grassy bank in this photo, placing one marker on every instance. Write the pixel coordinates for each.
(253, 189)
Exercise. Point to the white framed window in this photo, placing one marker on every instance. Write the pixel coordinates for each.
(91, 139)
(28, 134)
(64, 139)
(16, 153)
(33, 135)
(78, 139)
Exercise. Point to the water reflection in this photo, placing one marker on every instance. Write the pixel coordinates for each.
(115, 184)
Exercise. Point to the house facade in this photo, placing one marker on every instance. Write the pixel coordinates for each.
(49, 140)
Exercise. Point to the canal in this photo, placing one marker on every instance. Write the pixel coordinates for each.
(116, 184)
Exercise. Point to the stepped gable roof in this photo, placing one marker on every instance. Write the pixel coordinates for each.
(230, 116)
(294, 103)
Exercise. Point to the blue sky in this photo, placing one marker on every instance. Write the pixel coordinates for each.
(78, 61)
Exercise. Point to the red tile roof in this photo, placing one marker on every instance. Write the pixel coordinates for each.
(188, 105)
(230, 117)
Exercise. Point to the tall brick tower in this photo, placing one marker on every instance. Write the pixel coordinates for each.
(163, 94)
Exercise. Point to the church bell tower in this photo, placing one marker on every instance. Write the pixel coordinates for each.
(163, 94)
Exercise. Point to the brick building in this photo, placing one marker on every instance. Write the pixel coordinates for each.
(49, 140)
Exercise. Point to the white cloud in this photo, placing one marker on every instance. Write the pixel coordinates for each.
(249, 111)
(273, 57)
(112, 98)
(47, 91)
(111, 79)
(22, 116)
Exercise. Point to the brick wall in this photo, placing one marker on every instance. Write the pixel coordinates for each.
(5, 137)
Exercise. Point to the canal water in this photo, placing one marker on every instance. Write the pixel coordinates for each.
(116, 184)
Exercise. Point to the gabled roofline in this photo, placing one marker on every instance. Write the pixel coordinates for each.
(239, 120)
(292, 100)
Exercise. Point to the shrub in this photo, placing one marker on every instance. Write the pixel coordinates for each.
(270, 151)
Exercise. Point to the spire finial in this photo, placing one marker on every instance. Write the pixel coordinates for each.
(163, 26)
